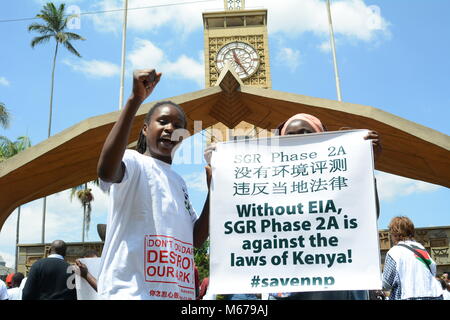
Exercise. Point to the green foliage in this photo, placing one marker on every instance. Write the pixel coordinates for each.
(4, 116)
(10, 148)
(201, 258)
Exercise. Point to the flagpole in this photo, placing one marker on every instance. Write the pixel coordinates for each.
(124, 41)
(333, 49)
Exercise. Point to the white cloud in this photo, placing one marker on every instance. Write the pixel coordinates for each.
(185, 68)
(391, 186)
(289, 58)
(4, 82)
(9, 259)
(325, 46)
(145, 54)
(93, 68)
(351, 18)
(183, 18)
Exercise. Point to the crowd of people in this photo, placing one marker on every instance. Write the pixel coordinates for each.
(150, 203)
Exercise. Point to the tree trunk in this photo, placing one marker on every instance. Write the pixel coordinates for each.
(84, 216)
(51, 92)
(17, 239)
(44, 207)
(84, 222)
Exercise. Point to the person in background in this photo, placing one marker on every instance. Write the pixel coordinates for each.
(48, 278)
(8, 280)
(22, 285)
(445, 291)
(303, 123)
(15, 292)
(409, 271)
(446, 279)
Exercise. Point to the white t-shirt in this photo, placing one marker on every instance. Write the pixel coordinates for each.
(148, 252)
(15, 293)
(3, 291)
(446, 294)
(407, 276)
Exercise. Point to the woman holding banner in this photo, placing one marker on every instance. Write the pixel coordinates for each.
(303, 123)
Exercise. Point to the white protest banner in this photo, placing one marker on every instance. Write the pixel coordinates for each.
(84, 289)
(294, 213)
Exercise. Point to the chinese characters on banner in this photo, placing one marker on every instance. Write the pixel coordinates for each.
(294, 213)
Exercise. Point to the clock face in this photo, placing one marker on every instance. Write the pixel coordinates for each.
(241, 56)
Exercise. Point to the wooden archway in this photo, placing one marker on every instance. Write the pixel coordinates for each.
(70, 158)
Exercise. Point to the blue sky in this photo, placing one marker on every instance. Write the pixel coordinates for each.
(392, 55)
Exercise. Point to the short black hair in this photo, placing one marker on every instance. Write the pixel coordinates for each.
(58, 247)
(17, 279)
(141, 146)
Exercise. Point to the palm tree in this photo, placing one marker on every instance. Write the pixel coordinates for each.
(4, 116)
(8, 149)
(54, 27)
(84, 194)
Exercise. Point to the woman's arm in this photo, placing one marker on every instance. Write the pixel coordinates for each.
(376, 146)
(84, 273)
(201, 227)
(109, 167)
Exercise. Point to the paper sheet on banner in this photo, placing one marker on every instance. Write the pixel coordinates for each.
(294, 213)
(84, 289)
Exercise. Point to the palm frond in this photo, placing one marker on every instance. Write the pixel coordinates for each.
(61, 16)
(40, 40)
(74, 191)
(51, 22)
(73, 36)
(23, 142)
(88, 217)
(40, 28)
(9, 148)
(53, 16)
(71, 49)
(4, 116)
(4, 141)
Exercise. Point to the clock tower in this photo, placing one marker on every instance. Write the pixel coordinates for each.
(237, 37)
